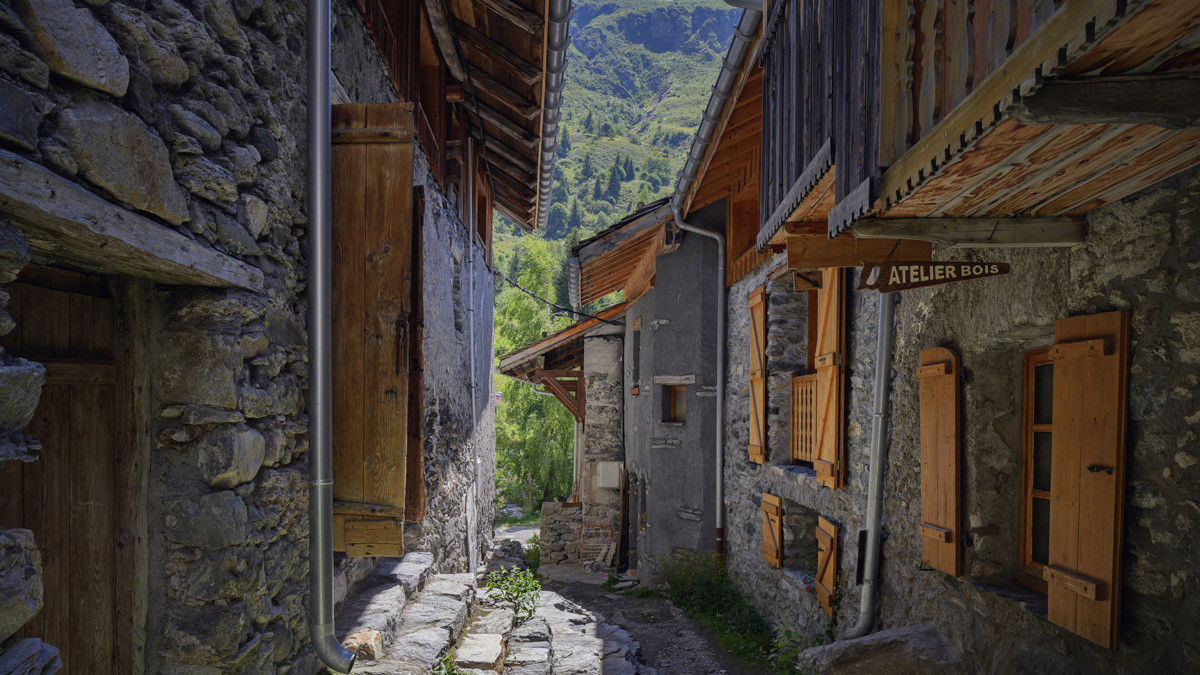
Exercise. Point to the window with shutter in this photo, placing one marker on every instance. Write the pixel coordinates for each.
(772, 528)
(372, 293)
(828, 357)
(758, 374)
(1090, 358)
(938, 374)
(826, 581)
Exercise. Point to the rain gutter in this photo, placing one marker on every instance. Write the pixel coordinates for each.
(320, 346)
(558, 17)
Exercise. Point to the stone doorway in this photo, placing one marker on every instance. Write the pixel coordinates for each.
(68, 497)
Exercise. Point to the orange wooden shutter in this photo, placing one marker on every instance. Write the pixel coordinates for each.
(938, 374)
(1087, 476)
(829, 356)
(772, 526)
(372, 277)
(758, 374)
(803, 418)
(826, 582)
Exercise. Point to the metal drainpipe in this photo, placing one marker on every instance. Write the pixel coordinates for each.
(320, 342)
(472, 522)
(558, 19)
(720, 440)
(879, 440)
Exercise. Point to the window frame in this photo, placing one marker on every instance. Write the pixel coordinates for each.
(1030, 574)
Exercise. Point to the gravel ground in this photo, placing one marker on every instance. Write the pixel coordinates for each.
(671, 642)
(521, 533)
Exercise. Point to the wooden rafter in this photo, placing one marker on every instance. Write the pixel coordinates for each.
(567, 387)
(503, 93)
(524, 19)
(497, 54)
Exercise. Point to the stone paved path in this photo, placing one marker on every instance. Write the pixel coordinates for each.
(521, 533)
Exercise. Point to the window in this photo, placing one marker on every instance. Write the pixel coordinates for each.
(1036, 429)
(818, 397)
(674, 403)
(1074, 396)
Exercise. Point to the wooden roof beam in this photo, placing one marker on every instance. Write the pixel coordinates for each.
(813, 251)
(497, 54)
(524, 19)
(1171, 101)
(978, 232)
(496, 146)
(443, 32)
(503, 93)
(511, 129)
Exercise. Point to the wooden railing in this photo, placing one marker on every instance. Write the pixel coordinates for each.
(855, 84)
(804, 418)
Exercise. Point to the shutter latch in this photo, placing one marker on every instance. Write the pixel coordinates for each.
(1096, 468)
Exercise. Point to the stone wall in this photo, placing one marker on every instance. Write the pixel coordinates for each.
(193, 114)
(558, 538)
(1139, 254)
(603, 437)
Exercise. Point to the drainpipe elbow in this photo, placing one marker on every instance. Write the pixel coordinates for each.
(329, 650)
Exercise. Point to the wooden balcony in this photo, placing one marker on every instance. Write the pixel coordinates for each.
(1029, 113)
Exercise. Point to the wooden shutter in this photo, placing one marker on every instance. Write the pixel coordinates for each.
(758, 374)
(1087, 475)
(938, 374)
(372, 278)
(826, 564)
(803, 418)
(772, 527)
(829, 357)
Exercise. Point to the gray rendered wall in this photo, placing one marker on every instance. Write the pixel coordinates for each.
(1140, 254)
(674, 463)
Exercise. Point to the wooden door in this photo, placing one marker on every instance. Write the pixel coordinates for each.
(66, 496)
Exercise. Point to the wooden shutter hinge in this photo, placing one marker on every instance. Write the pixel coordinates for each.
(1077, 583)
(830, 359)
(1080, 349)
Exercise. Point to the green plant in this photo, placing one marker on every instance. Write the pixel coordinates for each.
(519, 587)
(786, 646)
(533, 554)
(699, 584)
(611, 581)
(447, 666)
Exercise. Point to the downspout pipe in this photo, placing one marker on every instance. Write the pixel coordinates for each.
(320, 347)
(879, 444)
(755, 5)
(720, 417)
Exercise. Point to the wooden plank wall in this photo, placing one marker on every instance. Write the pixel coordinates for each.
(797, 82)
(936, 52)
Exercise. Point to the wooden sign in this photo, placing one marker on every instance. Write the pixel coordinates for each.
(898, 275)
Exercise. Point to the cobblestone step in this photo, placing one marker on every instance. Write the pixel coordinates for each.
(369, 618)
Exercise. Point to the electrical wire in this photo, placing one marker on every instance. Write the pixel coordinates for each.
(555, 305)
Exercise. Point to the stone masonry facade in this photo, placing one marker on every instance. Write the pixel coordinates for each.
(192, 114)
(1140, 254)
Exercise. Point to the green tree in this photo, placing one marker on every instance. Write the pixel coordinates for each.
(575, 220)
(589, 124)
(534, 433)
(556, 221)
(564, 143)
(614, 182)
(630, 172)
(587, 170)
(597, 193)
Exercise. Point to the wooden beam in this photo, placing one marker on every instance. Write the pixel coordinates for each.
(503, 93)
(62, 221)
(641, 279)
(1171, 101)
(517, 187)
(560, 392)
(560, 374)
(497, 54)
(558, 339)
(978, 232)
(500, 163)
(511, 129)
(809, 252)
(454, 93)
(528, 21)
(499, 147)
(443, 31)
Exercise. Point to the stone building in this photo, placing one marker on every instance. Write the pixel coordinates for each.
(155, 363)
(991, 474)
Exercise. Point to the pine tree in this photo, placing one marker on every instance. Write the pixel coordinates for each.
(564, 143)
(589, 124)
(616, 167)
(630, 172)
(614, 183)
(575, 220)
(596, 192)
(587, 166)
